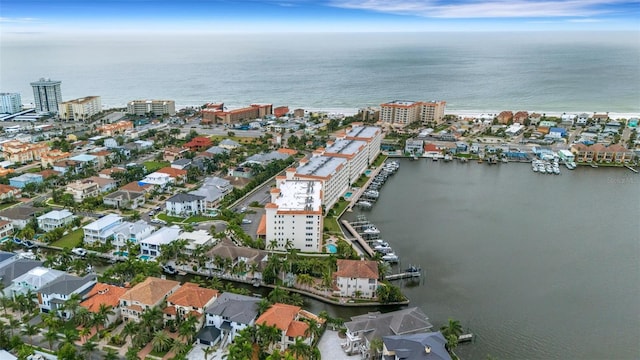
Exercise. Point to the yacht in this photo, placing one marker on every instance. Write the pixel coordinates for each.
(372, 193)
(391, 258)
(383, 250)
(364, 204)
(371, 230)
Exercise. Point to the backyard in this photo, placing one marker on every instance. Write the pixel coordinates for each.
(71, 240)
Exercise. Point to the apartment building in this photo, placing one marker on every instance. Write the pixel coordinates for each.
(53, 156)
(116, 128)
(10, 103)
(80, 109)
(372, 135)
(216, 115)
(331, 171)
(19, 152)
(156, 107)
(47, 95)
(402, 112)
(355, 151)
(294, 216)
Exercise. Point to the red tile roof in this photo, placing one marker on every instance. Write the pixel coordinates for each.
(103, 294)
(279, 315)
(363, 269)
(191, 294)
(174, 173)
(297, 328)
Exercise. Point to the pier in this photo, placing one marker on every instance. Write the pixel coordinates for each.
(632, 169)
(402, 275)
(365, 246)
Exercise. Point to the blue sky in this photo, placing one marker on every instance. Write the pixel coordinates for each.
(51, 16)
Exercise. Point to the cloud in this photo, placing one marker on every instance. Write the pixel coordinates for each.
(23, 20)
(483, 9)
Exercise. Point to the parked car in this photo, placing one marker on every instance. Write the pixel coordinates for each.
(246, 221)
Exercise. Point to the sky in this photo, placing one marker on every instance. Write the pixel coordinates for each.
(196, 16)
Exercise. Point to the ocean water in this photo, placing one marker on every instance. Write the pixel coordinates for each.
(552, 72)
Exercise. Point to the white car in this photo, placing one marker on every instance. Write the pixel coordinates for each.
(246, 221)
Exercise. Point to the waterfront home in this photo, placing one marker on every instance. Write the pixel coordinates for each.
(225, 249)
(55, 219)
(414, 147)
(21, 181)
(82, 189)
(106, 294)
(286, 318)
(189, 300)
(534, 118)
(20, 215)
(432, 150)
(424, 346)
(356, 278)
(599, 153)
(582, 119)
(228, 314)
(184, 205)
(375, 325)
(150, 246)
(520, 117)
(13, 267)
(195, 239)
(600, 118)
(145, 295)
(214, 190)
(102, 229)
(33, 280)
(53, 296)
(131, 232)
(9, 193)
(123, 199)
(505, 117)
(6, 229)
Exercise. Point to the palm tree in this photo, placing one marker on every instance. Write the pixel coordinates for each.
(267, 336)
(88, 348)
(207, 351)
(314, 330)
(177, 347)
(84, 333)
(101, 317)
(300, 349)
(73, 303)
(70, 336)
(305, 280)
(272, 245)
(453, 327)
(263, 305)
(375, 347)
(129, 329)
(188, 328)
(30, 330)
(161, 341)
(151, 318)
(83, 317)
(132, 353)
(110, 354)
(51, 336)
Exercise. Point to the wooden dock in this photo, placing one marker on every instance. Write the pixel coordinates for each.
(402, 275)
(632, 169)
(365, 246)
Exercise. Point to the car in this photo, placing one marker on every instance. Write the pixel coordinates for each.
(246, 221)
(151, 213)
(243, 209)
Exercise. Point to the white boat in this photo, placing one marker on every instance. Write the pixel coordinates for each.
(371, 230)
(383, 250)
(390, 257)
(169, 269)
(372, 193)
(542, 169)
(27, 255)
(79, 251)
(556, 170)
(364, 204)
(534, 166)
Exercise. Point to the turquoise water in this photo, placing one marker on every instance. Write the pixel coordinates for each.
(145, 257)
(120, 253)
(332, 248)
(367, 173)
(348, 194)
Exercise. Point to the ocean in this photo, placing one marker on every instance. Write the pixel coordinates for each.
(473, 72)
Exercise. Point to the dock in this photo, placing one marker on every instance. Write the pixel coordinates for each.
(632, 169)
(402, 275)
(365, 246)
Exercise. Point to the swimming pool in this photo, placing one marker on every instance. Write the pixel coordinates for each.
(332, 248)
(145, 257)
(348, 195)
(121, 253)
(367, 172)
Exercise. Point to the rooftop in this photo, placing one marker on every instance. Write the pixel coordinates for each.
(234, 307)
(103, 294)
(322, 166)
(56, 215)
(150, 291)
(83, 158)
(192, 295)
(163, 236)
(182, 197)
(103, 222)
(363, 269)
(279, 315)
(299, 195)
(363, 132)
(347, 147)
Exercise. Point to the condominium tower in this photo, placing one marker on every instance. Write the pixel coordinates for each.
(47, 95)
(10, 103)
(402, 113)
(80, 109)
(157, 107)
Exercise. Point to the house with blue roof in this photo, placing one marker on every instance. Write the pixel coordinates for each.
(22, 180)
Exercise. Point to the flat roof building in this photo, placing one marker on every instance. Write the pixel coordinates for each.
(80, 109)
(10, 103)
(332, 171)
(156, 107)
(355, 151)
(47, 95)
(372, 135)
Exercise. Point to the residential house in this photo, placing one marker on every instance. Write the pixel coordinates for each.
(6, 229)
(422, 346)
(185, 205)
(101, 230)
(138, 186)
(599, 153)
(229, 144)
(48, 173)
(123, 199)
(229, 314)
(108, 173)
(116, 128)
(128, 232)
(225, 249)
(534, 118)
(157, 180)
(195, 239)
(568, 119)
(13, 267)
(173, 153)
(104, 294)
(582, 119)
(20, 215)
(19, 152)
(104, 184)
(374, 325)
(67, 166)
(414, 147)
(53, 296)
(217, 150)
(213, 189)
(198, 143)
(82, 189)
(52, 157)
(179, 176)
(55, 219)
(21, 181)
(111, 143)
(9, 193)
(34, 280)
(86, 161)
(600, 118)
(287, 320)
(145, 295)
(356, 278)
(181, 164)
(102, 157)
(189, 300)
(264, 159)
(150, 246)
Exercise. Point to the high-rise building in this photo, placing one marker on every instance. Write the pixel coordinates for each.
(47, 95)
(80, 109)
(401, 113)
(10, 103)
(157, 107)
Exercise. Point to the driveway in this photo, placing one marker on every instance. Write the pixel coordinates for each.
(197, 353)
(329, 346)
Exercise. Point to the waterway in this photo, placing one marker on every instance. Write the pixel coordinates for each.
(536, 266)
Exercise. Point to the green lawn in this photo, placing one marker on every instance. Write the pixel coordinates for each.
(331, 223)
(197, 218)
(173, 219)
(342, 204)
(152, 166)
(360, 183)
(71, 240)
(6, 205)
(379, 160)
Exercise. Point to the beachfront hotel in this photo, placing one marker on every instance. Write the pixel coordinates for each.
(331, 171)
(156, 107)
(294, 215)
(47, 95)
(80, 109)
(372, 135)
(215, 113)
(355, 151)
(401, 112)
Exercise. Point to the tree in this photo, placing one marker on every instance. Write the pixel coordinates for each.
(161, 341)
(130, 328)
(51, 336)
(300, 349)
(314, 330)
(67, 352)
(375, 347)
(267, 336)
(70, 336)
(88, 348)
(110, 354)
(30, 330)
(453, 327)
(73, 303)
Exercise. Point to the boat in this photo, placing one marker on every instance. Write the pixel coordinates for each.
(383, 250)
(434, 158)
(364, 204)
(371, 230)
(17, 240)
(413, 269)
(556, 169)
(27, 255)
(372, 193)
(391, 258)
(448, 157)
(465, 338)
(79, 251)
(29, 244)
(169, 269)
